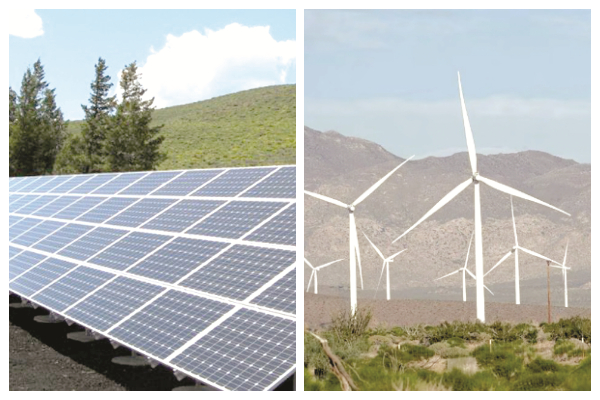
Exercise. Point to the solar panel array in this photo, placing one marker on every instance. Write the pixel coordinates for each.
(194, 269)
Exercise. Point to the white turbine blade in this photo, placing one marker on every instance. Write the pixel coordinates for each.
(327, 199)
(560, 267)
(451, 273)
(391, 258)
(378, 183)
(565, 259)
(512, 211)
(310, 280)
(308, 262)
(515, 192)
(452, 194)
(488, 289)
(470, 273)
(499, 262)
(327, 265)
(468, 250)
(533, 253)
(379, 283)
(375, 247)
(468, 132)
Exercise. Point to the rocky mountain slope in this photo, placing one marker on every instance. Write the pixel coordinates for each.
(343, 168)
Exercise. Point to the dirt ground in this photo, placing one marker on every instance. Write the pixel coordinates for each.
(318, 310)
(42, 358)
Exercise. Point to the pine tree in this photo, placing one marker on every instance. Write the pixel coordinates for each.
(39, 128)
(97, 118)
(132, 145)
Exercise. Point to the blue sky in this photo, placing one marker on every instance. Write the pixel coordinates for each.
(183, 55)
(390, 77)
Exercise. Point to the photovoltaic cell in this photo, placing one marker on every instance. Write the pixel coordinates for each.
(169, 322)
(29, 184)
(107, 209)
(21, 227)
(281, 296)
(35, 204)
(240, 271)
(72, 183)
(13, 251)
(119, 183)
(182, 215)
(140, 212)
(40, 276)
(38, 232)
(149, 183)
(128, 250)
(57, 205)
(113, 302)
(58, 180)
(177, 259)
(236, 218)
(14, 197)
(94, 183)
(79, 207)
(23, 201)
(62, 237)
(282, 184)
(71, 288)
(13, 220)
(245, 352)
(45, 183)
(187, 183)
(233, 182)
(280, 230)
(92, 243)
(22, 263)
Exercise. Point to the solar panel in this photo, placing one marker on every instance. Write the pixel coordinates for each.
(194, 269)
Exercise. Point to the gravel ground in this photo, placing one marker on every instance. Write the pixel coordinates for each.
(318, 310)
(42, 358)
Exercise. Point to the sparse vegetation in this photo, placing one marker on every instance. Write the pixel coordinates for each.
(453, 356)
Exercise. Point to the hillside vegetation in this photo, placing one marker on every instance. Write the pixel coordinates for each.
(248, 128)
(451, 356)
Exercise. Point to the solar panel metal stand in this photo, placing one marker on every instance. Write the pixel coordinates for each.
(22, 304)
(82, 336)
(48, 319)
(134, 360)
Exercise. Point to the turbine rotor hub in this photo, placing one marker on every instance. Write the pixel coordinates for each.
(351, 208)
(475, 177)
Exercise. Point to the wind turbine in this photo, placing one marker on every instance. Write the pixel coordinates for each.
(354, 249)
(386, 266)
(315, 271)
(475, 179)
(515, 251)
(464, 270)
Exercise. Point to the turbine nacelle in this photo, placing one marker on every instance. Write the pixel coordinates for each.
(351, 208)
(475, 178)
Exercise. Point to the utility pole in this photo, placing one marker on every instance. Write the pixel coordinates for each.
(549, 304)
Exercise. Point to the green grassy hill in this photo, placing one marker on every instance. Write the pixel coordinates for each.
(253, 127)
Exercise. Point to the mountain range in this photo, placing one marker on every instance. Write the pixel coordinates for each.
(344, 167)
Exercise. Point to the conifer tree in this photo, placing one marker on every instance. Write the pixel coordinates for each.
(132, 144)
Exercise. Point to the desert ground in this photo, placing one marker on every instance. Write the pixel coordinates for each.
(318, 310)
(42, 358)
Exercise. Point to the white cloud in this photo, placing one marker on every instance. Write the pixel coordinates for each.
(196, 66)
(500, 124)
(24, 23)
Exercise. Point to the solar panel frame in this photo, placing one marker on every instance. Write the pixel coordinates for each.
(174, 236)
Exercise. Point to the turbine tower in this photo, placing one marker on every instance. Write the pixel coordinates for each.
(565, 268)
(354, 249)
(515, 251)
(464, 270)
(315, 271)
(476, 179)
(386, 266)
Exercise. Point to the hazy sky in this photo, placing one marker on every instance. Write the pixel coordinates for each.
(390, 77)
(184, 55)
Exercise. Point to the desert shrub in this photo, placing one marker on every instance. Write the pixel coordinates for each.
(314, 356)
(538, 381)
(415, 332)
(457, 330)
(482, 380)
(413, 352)
(564, 347)
(347, 327)
(542, 365)
(445, 350)
(575, 327)
(501, 360)
(526, 332)
(398, 331)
